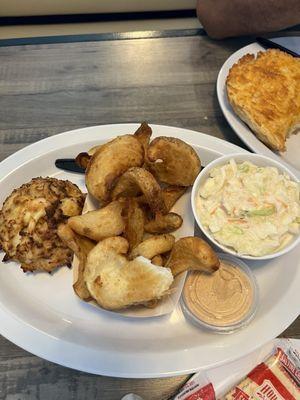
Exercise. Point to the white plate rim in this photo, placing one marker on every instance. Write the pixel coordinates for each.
(49, 347)
(239, 127)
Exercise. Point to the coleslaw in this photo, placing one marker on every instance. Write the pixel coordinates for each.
(253, 210)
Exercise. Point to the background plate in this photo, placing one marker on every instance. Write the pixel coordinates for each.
(291, 156)
(41, 314)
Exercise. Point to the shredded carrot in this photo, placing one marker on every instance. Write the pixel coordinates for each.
(214, 210)
(239, 221)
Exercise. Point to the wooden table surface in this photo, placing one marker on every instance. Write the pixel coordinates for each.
(50, 88)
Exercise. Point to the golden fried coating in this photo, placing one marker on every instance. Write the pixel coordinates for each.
(29, 219)
(116, 283)
(109, 162)
(134, 222)
(83, 159)
(164, 223)
(192, 253)
(158, 260)
(153, 246)
(264, 91)
(143, 134)
(125, 187)
(173, 161)
(81, 246)
(99, 224)
(171, 194)
(139, 180)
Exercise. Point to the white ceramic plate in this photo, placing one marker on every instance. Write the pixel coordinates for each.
(290, 157)
(41, 314)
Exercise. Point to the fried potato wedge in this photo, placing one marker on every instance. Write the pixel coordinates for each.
(134, 222)
(110, 162)
(171, 194)
(117, 243)
(153, 246)
(125, 187)
(99, 224)
(81, 246)
(164, 223)
(116, 283)
(93, 150)
(173, 161)
(83, 159)
(143, 134)
(192, 253)
(157, 260)
(145, 183)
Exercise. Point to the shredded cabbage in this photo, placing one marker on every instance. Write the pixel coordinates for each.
(254, 210)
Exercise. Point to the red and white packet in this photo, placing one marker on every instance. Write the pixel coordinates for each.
(276, 377)
(197, 388)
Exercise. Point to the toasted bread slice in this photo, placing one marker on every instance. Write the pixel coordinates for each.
(265, 93)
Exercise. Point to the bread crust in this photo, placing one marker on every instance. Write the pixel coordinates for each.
(264, 91)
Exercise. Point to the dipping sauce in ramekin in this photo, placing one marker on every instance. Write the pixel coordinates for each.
(222, 301)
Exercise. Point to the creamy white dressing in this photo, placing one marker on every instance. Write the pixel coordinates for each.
(254, 210)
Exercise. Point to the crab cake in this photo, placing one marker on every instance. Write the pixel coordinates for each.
(29, 219)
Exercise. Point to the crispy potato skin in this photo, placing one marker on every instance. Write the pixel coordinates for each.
(153, 246)
(158, 260)
(100, 224)
(171, 194)
(125, 187)
(138, 180)
(173, 161)
(164, 223)
(192, 253)
(82, 160)
(143, 134)
(110, 162)
(134, 222)
(81, 246)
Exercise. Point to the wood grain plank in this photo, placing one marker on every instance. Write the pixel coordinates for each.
(35, 379)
